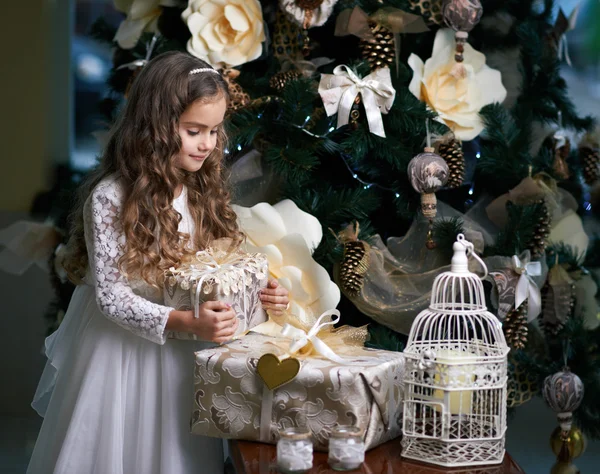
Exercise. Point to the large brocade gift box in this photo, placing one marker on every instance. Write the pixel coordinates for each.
(231, 400)
(234, 277)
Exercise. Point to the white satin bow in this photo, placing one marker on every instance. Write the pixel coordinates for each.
(338, 91)
(527, 288)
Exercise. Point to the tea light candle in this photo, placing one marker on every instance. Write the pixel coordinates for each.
(346, 448)
(294, 451)
(461, 375)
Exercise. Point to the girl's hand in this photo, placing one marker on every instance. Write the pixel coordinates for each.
(275, 298)
(217, 322)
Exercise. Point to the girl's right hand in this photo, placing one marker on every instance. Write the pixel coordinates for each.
(217, 322)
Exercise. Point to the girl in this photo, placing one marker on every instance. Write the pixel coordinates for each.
(116, 394)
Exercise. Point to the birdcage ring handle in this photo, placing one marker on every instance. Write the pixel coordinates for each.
(470, 248)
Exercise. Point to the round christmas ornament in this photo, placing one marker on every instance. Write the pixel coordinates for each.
(567, 445)
(428, 172)
(563, 392)
(450, 149)
(461, 16)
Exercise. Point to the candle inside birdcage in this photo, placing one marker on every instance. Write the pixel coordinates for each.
(456, 373)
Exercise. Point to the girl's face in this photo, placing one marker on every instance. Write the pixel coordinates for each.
(198, 127)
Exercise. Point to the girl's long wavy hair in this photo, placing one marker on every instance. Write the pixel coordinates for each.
(141, 153)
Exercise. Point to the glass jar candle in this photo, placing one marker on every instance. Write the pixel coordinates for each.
(294, 451)
(346, 448)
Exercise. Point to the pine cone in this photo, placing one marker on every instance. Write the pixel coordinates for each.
(280, 80)
(451, 151)
(590, 161)
(541, 232)
(355, 264)
(381, 51)
(430, 10)
(515, 327)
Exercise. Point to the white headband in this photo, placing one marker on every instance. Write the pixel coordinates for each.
(203, 69)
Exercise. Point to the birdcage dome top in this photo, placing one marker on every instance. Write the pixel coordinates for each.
(457, 317)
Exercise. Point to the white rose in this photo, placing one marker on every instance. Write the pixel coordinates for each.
(142, 15)
(288, 236)
(225, 32)
(457, 101)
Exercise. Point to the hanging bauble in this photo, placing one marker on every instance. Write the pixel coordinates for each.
(461, 16)
(567, 445)
(537, 244)
(430, 10)
(286, 37)
(238, 97)
(281, 79)
(563, 392)
(515, 327)
(355, 261)
(564, 468)
(379, 51)
(522, 385)
(450, 149)
(428, 172)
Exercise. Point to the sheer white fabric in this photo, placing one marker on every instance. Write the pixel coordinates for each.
(116, 394)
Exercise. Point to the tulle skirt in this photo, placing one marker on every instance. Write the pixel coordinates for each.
(115, 403)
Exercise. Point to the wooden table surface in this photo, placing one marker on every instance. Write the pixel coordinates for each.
(258, 458)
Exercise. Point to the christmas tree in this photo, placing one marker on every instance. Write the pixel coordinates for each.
(363, 111)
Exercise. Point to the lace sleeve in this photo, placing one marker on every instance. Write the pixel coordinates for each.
(114, 295)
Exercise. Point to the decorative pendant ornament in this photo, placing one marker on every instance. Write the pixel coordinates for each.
(239, 98)
(461, 16)
(515, 327)
(450, 149)
(428, 172)
(355, 261)
(567, 445)
(563, 392)
(557, 37)
(276, 372)
(558, 299)
(560, 146)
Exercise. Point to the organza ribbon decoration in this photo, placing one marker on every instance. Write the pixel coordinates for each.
(527, 288)
(338, 91)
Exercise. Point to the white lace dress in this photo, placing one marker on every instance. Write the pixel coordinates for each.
(116, 394)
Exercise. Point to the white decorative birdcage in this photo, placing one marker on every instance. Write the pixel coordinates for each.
(456, 373)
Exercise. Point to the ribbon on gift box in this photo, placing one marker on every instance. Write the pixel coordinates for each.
(319, 339)
(527, 289)
(216, 263)
(338, 91)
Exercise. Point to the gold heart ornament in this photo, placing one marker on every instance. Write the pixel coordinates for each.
(275, 372)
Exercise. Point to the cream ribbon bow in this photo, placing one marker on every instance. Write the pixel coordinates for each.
(338, 91)
(527, 289)
(300, 338)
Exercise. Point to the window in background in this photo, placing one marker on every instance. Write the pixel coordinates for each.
(91, 62)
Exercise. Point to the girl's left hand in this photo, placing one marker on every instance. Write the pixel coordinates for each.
(275, 298)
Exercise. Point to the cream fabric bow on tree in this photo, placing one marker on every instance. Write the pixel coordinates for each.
(527, 289)
(338, 91)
